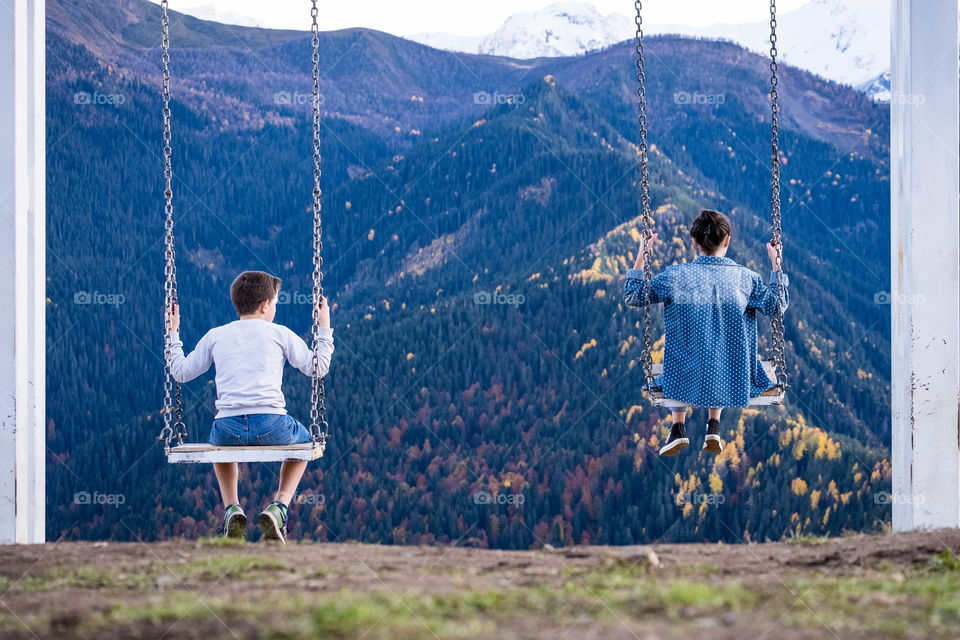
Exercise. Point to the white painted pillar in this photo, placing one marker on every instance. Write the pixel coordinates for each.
(925, 287)
(22, 272)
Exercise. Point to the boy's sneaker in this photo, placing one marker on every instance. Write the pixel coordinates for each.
(234, 523)
(712, 442)
(676, 441)
(273, 521)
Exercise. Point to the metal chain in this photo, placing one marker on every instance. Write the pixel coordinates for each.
(646, 219)
(172, 398)
(776, 322)
(318, 408)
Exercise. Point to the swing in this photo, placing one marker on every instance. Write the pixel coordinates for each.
(777, 368)
(173, 427)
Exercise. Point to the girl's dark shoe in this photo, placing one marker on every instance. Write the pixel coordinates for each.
(712, 442)
(676, 441)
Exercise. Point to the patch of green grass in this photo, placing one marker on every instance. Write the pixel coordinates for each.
(887, 607)
(221, 541)
(175, 605)
(675, 590)
(806, 540)
(943, 561)
(82, 578)
(343, 614)
(349, 615)
(225, 566)
(694, 570)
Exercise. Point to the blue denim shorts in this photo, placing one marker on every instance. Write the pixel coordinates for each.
(258, 429)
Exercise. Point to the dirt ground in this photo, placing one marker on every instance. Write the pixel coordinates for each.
(903, 585)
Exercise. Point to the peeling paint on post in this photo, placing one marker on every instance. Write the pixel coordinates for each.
(925, 260)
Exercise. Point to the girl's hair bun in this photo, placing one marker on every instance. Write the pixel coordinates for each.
(710, 229)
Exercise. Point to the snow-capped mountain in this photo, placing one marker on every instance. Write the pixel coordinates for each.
(216, 13)
(448, 41)
(561, 29)
(846, 41)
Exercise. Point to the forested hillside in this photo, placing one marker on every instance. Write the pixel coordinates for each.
(479, 214)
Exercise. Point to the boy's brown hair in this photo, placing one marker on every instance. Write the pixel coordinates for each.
(710, 229)
(250, 288)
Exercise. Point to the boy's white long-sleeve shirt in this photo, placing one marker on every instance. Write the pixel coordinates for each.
(249, 355)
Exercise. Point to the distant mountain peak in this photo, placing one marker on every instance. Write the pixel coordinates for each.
(560, 29)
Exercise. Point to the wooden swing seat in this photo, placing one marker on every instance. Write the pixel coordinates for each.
(771, 396)
(202, 452)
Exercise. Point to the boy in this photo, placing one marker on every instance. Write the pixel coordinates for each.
(249, 355)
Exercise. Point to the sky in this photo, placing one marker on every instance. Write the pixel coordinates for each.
(460, 17)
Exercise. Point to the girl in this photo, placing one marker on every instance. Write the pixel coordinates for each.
(710, 352)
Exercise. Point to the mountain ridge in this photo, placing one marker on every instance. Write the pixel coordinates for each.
(854, 52)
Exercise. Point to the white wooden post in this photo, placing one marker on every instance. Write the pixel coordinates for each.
(22, 273)
(925, 287)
